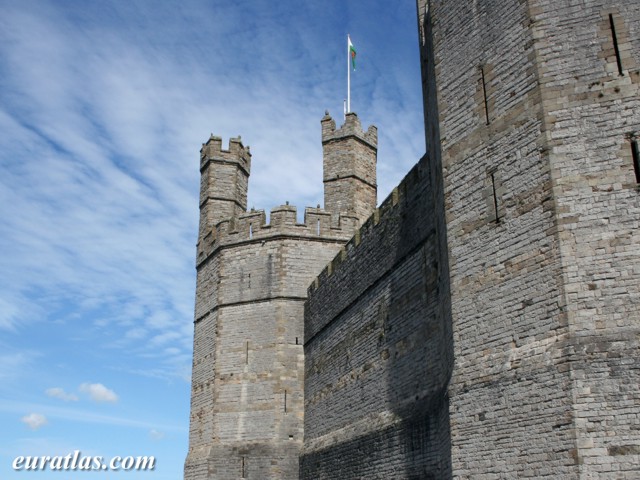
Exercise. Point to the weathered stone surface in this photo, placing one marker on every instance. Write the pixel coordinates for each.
(378, 348)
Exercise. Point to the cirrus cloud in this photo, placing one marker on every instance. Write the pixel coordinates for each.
(59, 393)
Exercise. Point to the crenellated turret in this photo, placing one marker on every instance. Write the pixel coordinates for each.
(223, 182)
(349, 161)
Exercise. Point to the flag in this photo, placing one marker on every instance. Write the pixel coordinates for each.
(352, 53)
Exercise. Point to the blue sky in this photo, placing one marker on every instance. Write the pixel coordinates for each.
(103, 108)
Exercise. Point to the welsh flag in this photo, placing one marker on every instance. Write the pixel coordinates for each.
(352, 52)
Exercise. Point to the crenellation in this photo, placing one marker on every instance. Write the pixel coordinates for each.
(236, 153)
(252, 227)
(283, 216)
(351, 128)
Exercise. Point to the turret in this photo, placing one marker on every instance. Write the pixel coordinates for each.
(349, 164)
(223, 181)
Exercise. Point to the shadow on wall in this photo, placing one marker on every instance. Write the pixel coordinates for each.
(418, 325)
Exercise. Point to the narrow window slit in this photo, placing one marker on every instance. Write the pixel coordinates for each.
(495, 197)
(250, 231)
(243, 467)
(484, 92)
(285, 401)
(318, 227)
(296, 340)
(615, 44)
(635, 152)
(246, 355)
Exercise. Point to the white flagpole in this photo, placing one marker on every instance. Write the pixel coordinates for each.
(348, 75)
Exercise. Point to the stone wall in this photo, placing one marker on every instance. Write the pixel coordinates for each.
(378, 348)
(529, 195)
(534, 123)
(591, 108)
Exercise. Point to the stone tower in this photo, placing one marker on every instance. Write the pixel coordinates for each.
(533, 112)
(349, 179)
(224, 178)
(252, 279)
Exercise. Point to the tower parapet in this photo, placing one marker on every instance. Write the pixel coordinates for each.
(223, 182)
(349, 167)
(318, 225)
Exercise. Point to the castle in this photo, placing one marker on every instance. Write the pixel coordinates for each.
(484, 321)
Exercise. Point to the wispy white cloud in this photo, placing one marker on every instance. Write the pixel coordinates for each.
(83, 416)
(35, 421)
(59, 393)
(156, 434)
(99, 393)
(15, 362)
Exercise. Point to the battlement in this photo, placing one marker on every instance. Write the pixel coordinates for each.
(237, 153)
(252, 226)
(350, 128)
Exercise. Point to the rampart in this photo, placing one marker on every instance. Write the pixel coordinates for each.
(378, 347)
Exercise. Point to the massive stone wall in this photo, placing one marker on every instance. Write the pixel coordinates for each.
(511, 408)
(535, 123)
(378, 348)
(591, 105)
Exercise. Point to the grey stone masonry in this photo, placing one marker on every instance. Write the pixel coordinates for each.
(484, 322)
(534, 108)
(378, 347)
(252, 277)
(349, 160)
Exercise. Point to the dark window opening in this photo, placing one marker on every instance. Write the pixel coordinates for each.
(495, 196)
(635, 152)
(615, 44)
(484, 92)
(285, 401)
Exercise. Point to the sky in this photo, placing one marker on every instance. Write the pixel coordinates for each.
(104, 106)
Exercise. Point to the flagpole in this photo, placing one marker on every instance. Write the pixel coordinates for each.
(348, 75)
